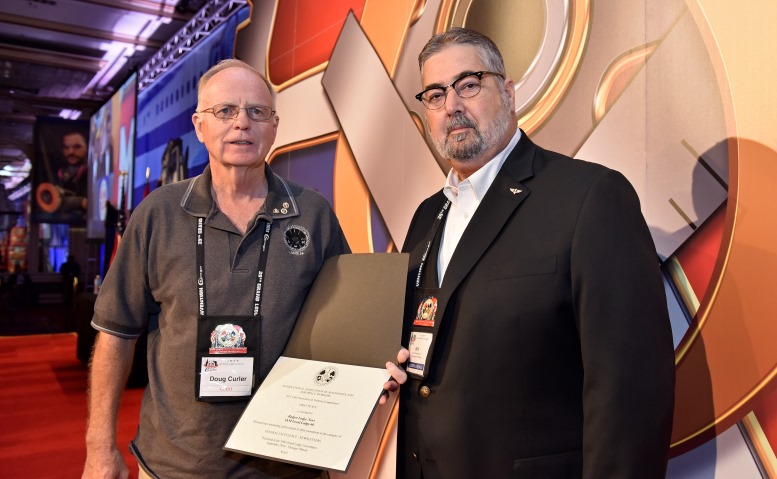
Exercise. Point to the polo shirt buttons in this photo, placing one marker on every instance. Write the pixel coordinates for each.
(424, 391)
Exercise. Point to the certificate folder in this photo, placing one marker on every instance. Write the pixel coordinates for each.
(315, 403)
(353, 312)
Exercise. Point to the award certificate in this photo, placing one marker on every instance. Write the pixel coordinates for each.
(317, 401)
(309, 412)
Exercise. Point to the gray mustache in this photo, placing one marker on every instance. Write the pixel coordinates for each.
(458, 121)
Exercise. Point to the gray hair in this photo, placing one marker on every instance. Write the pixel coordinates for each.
(231, 63)
(489, 53)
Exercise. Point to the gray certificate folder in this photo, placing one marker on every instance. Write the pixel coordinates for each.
(353, 312)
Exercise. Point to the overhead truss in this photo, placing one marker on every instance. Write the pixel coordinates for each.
(202, 24)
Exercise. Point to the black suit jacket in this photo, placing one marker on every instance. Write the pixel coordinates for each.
(555, 355)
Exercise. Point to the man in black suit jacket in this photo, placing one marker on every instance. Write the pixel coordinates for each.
(537, 328)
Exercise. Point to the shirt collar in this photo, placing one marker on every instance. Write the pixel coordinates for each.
(480, 181)
(280, 202)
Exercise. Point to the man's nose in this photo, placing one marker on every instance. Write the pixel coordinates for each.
(242, 120)
(453, 102)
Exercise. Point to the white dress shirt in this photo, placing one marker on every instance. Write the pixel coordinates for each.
(465, 198)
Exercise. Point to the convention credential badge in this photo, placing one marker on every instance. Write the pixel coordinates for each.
(226, 376)
(419, 349)
(223, 375)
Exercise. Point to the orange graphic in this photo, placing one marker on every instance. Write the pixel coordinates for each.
(303, 36)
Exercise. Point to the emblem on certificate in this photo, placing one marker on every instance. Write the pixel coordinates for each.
(228, 339)
(326, 375)
(427, 310)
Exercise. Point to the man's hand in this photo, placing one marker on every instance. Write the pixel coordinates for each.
(104, 462)
(398, 375)
(110, 368)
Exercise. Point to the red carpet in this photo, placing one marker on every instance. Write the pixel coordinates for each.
(43, 409)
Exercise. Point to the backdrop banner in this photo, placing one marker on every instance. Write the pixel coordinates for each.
(59, 171)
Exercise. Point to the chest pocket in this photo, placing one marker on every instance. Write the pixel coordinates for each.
(567, 465)
(519, 267)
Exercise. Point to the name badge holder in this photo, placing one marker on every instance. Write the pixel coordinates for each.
(426, 324)
(227, 348)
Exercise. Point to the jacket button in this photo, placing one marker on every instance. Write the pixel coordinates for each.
(415, 456)
(424, 391)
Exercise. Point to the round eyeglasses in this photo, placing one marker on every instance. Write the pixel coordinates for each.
(466, 86)
(224, 111)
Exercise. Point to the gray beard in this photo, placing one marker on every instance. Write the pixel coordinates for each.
(458, 148)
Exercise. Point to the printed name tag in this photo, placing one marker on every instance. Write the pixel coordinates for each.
(226, 376)
(419, 349)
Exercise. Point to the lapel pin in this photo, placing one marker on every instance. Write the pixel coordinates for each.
(515, 191)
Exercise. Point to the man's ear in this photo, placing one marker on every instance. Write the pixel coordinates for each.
(197, 122)
(509, 86)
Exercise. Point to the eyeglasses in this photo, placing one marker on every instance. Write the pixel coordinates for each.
(466, 86)
(228, 112)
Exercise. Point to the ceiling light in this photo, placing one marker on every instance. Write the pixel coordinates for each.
(70, 114)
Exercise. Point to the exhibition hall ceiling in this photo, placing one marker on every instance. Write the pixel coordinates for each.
(64, 58)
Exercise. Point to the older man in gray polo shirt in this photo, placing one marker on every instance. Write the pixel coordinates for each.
(215, 267)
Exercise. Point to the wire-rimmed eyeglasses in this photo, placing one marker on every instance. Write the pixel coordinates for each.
(466, 86)
(225, 111)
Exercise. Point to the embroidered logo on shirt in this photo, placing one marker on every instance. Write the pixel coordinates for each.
(297, 239)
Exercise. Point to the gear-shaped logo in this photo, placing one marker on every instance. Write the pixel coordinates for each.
(297, 239)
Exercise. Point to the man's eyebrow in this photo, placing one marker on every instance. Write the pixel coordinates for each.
(433, 85)
(458, 77)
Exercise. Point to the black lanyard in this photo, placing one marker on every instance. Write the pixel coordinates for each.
(201, 267)
(435, 226)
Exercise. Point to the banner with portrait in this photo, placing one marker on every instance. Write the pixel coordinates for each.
(111, 159)
(59, 171)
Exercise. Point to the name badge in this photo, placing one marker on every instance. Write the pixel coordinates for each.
(419, 349)
(226, 376)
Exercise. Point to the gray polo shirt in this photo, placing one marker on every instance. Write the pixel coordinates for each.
(152, 286)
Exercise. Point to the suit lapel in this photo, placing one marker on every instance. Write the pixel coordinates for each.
(505, 195)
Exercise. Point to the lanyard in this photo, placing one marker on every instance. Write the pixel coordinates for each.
(435, 226)
(426, 325)
(201, 267)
